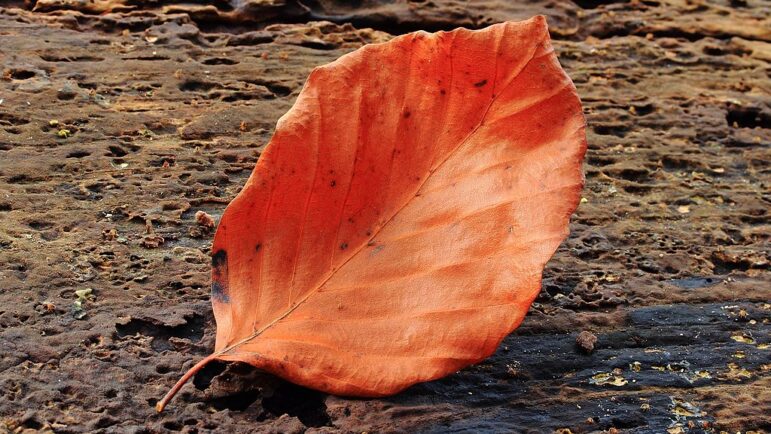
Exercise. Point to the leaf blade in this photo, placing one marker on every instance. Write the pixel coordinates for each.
(425, 249)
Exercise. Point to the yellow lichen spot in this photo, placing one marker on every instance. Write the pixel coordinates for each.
(53, 122)
(739, 355)
(659, 368)
(743, 339)
(604, 378)
(635, 366)
(762, 346)
(701, 374)
(563, 431)
(645, 406)
(64, 133)
(736, 372)
(611, 278)
(685, 409)
(85, 294)
(677, 429)
(682, 411)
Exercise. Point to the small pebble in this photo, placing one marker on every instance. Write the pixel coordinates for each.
(204, 219)
(585, 341)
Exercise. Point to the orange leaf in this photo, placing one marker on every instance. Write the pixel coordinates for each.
(396, 227)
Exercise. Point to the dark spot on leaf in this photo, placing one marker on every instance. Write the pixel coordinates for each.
(219, 259)
(480, 83)
(333, 183)
(343, 246)
(407, 114)
(257, 247)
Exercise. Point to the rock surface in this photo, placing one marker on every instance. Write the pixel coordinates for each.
(119, 123)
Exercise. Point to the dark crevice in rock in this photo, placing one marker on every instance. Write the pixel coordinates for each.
(607, 32)
(593, 4)
(204, 377)
(305, 404)
(192, 330)
(748, 117)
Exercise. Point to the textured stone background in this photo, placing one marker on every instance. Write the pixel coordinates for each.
(119, 120)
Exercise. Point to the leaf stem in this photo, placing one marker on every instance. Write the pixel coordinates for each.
(190, 372)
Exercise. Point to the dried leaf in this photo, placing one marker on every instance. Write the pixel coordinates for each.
(396, 227)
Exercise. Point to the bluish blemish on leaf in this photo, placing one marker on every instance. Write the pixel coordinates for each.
(219, 293)
(219, 286)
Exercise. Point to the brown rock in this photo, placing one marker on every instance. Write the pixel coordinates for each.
(152, 241)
